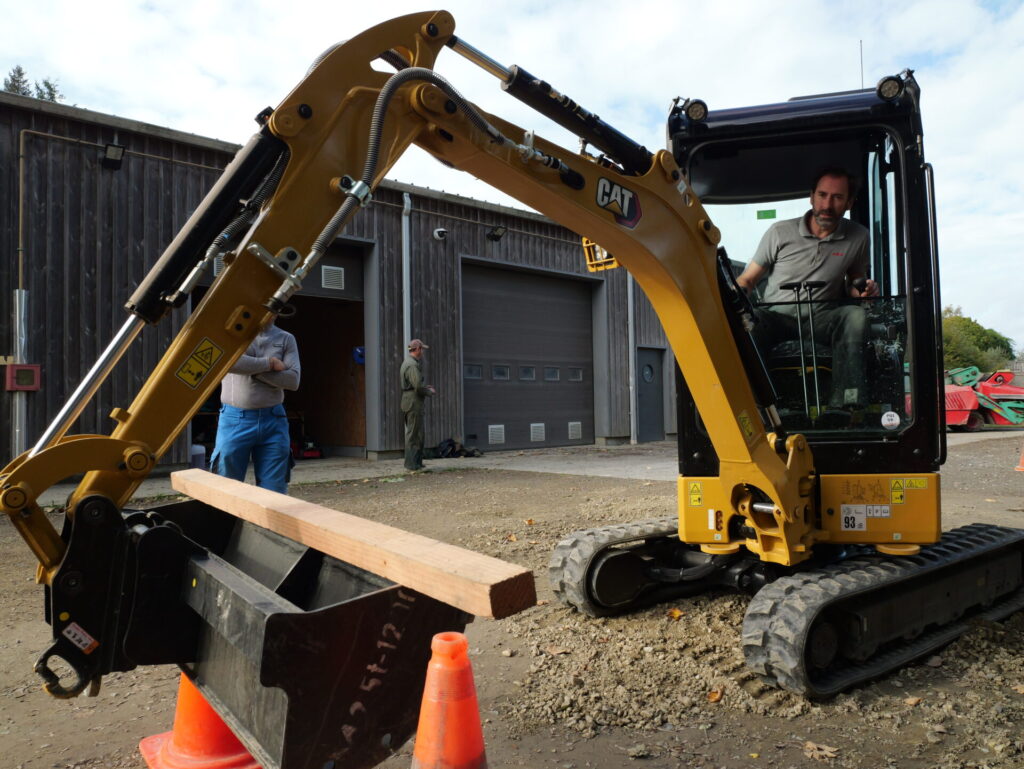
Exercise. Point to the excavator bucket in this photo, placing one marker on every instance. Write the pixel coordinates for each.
(311, 661)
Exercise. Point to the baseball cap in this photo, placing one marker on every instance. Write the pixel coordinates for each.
(416, 344)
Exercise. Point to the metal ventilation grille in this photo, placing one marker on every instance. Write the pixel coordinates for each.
(332, 277)
(495, 434)
(537, 431)
(218, 265)
(575, 431)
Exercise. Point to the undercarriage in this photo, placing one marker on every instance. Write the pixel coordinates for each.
(843, 618)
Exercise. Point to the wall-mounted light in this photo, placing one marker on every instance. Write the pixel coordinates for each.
(496, 233)
(113, 156)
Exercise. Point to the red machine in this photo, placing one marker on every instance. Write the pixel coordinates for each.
(974, 399)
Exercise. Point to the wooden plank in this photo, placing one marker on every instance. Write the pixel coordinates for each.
(475, 583)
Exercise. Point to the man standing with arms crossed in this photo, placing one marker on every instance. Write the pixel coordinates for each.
(414, 392)
(252, 417)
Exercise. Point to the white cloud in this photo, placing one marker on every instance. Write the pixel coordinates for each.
(209, 67)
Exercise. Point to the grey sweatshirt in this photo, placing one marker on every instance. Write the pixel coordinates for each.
(251, 384)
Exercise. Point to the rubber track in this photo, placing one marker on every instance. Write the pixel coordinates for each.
(571, 559)
(781, 614)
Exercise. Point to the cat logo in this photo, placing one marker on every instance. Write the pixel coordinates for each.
(622, 203)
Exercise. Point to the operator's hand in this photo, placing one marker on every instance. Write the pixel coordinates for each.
(276, 364)
(870, 289)
(432, 390)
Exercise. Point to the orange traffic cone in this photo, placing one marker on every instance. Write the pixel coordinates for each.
(199, 740)
(449, 735)
(1020, 462)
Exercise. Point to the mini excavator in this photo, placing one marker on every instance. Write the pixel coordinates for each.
(832, 524)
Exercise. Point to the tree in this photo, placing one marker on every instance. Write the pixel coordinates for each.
(48, 90)
(967, 343)
(17, 82)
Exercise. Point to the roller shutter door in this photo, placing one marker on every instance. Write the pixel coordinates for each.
(528, 377)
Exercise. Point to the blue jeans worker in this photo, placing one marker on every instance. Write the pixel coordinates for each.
(252, 422)
(414, 392)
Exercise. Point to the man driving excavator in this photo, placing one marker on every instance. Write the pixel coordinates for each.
(819, 259)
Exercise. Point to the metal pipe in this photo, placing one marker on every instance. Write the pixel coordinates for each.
(96, 376)
(480, 58)
(631, 337)
(406, 268)
(19, 399)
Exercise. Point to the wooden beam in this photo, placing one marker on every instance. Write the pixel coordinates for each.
(475, 583)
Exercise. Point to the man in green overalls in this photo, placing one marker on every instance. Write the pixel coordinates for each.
(413, 394)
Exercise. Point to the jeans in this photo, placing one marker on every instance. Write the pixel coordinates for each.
(259, 433)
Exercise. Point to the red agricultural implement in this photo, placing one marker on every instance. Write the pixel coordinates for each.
(974, 400)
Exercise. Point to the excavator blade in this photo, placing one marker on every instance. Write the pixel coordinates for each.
(311, 661)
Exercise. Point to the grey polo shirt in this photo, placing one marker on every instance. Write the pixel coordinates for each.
(791, 253)
(251, 384)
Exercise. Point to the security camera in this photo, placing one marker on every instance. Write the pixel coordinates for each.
(440, 233)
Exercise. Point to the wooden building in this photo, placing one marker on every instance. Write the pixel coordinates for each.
(527, 348)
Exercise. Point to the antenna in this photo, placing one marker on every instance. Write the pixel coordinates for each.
(861, 63)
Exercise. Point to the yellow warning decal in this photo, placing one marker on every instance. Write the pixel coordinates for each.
(199, 363)
(746, 425)
(897, 491)
(916, 483)
(695, 492)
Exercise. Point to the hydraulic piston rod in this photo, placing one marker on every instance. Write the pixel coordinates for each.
(84, 392)
(634, 158)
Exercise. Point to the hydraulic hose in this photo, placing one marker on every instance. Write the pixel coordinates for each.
(235, 227)
(376, 129)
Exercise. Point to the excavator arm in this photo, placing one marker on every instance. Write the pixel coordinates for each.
(326, 147)
(288, 193)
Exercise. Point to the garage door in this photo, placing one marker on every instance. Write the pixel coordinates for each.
(528, 377)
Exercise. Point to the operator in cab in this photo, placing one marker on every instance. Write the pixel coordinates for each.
(825, 248)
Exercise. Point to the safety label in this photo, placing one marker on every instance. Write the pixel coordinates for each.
(746, 425)
(77, 635)
(897, 491)
(695, 492)
(854, 517)
(199, 363)
(916, 483)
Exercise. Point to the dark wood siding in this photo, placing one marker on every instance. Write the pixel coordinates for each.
(650, 333)
(90, 234)
(530, 242)
(618, 353)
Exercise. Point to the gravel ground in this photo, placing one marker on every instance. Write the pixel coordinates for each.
(665, 687)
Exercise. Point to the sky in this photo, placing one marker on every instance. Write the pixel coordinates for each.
(207, 67)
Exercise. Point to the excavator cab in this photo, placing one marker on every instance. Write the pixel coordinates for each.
(752, 167)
